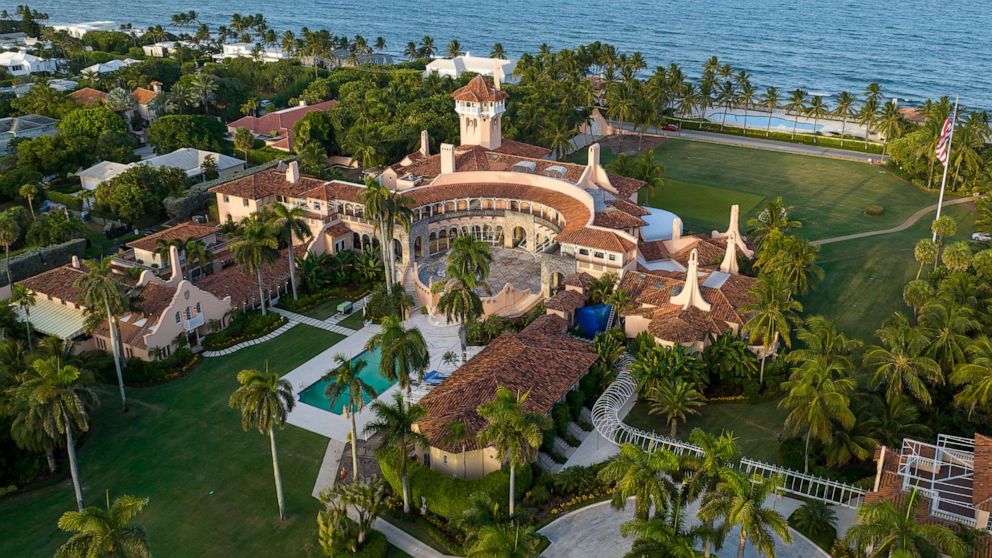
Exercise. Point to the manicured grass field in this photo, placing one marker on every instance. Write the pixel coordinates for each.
(324, 310)
(210, 484)
(864, 278)
(756, 425)
(704, 208)
(354, 321)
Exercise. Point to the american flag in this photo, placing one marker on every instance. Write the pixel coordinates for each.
(944, 144)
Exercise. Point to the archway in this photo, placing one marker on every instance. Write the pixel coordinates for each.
(557, 282)
(398, 250)
(418, 247)
(519, 236)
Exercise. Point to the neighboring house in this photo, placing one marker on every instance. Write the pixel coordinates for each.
(455, 67)
(13, 40)
(78, 30)
(107, 67)
(62, 85)
(165, 49)
(19, 63)
(88, 97)
(510, 361)
(144, 99)
(342, 57)
(58, 309)
(276, 128)
(28, 126)
(188, 159)
(248, 50)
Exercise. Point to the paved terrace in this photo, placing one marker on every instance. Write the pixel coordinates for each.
(520, 268)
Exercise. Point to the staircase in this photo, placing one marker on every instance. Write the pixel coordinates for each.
(410, 286)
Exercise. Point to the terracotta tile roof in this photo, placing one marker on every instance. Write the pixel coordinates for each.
(981, 495)
(88, 96)
(671, 323)
(629, 207)
(58, 283)
(469, 158)
(548, 324)
(597, 238)
(626, 186)
(328, 191)
(616, 219)
(181, 231)
(280, 122)
(566, 301)
(131, 334)
(143, 96)
(711, 250)
(509, 361)
(581, 279)
(478, 90)
(269, 182)
(650, 288)
(242, 286)
(154, 299)
(520, 149)
(338, 230)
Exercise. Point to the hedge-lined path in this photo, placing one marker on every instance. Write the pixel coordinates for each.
(290, 323)
(898, 228)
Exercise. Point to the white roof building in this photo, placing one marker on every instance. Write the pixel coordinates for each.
(455, 67)
(19, 63)
(77, 30)
(109, 66)
(188, 159)
(246, 50)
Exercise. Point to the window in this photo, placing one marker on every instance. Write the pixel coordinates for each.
(197, 307)
(316, 206)
(613, 257)
(245, 202)
(188, 313)
(178, 318)
(599, 255)
(583, 252)
(281, 199)
(444, 459)
(226, 199)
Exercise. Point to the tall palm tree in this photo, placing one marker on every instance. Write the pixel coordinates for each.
(770, 102)
(740, 500)
(106, 532)
(817, 109)
(205, 87)
(704, 469)
(659, 537)
(459, 302)
(515, 433)
(773, 217)
(844, 109)
(726, 95)
(498, 51)
(24, 298)
(924, 252)
(29, 192)
(427, 48)
(746, 98)
(10, 231)
(771, 314)
(892, 531)
(820, 337)
(890, 421)
(403, 351)
(197, 255)
(102, 290)
(890, 123)
(900, 363)
(394, 423)
(469, 259)
(346, 380)
(796, 105)
(255, 245)
(60, 401)
(265, 401)
(291, 222)
(791, 257)
(868, 117)
(975, 376)
(506, 540)
(643, 475)
(818, 394)
(676, 399)
(948, 325)
(454, 48)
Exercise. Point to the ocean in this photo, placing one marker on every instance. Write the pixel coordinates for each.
(915, 49)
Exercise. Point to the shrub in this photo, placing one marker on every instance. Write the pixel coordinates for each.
(874, 210)
(68, 200)
(448, 496)
(141, 373)
(308, 301)
(375, 546)
(561, 417)
(242, 328)
(575, 401)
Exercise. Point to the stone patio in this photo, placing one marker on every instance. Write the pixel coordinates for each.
(520, 268)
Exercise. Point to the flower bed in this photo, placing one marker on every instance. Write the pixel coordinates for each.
(244, 327)
(308, 301)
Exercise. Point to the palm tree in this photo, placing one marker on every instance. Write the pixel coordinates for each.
(892, 531)
(676, 399)
(109, 532)
(948, 326)
(291, 222)
(394, 423)
(704, 469)
(890, 123)
(818, 395)
(254, 246)
(411, 51)
(427, 48)
(891, 421)
(815, 518)
(102, 290)
(265, 401)
(868, 117)
(821, 337)
(251, 105)
(515, 433)
(975, 376)
(205, 87)
(10, 231)
(817, 109)
(746, 98)
(454, 48)
(506, 540)
(403, 351)
(771, 314)
(346, 380)
(643, 475)
(29, 192)
(243, 140)
(24, 298)
(770, 102)
(942, 227)
(59, 400)
(793, 258)
(459, 302)
(459, 434)
(498, 51)
(900, 363)
(659, 537)
(844, 109)
(726, 96)
(797, 105)
(924, 252)
(740, 501)
(197, 254)
(469, 259)
(774, 217)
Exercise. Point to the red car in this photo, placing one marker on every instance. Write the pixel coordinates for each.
(670, 127)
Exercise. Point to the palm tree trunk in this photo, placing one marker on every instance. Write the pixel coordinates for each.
(741, 543)
(292, 266)
(261, 290)
(70, 446)
(513, 485)
(843, 127)
(464, 464)
(354, 445)
(809, 434)
(117, 359)
(277, 475)
(675, 429)
(919, 271)
(761, 373)
(404, 481)
(27, 324)
(50, 457)
(795, 125)
(463, 338)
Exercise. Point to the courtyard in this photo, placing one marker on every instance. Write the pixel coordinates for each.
(520, 268)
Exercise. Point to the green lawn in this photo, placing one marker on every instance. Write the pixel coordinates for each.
(324, 310)
(864, 278)
(756, 425)
(355, 321)
(209, 483)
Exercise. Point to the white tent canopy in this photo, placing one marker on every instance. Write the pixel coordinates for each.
(57, 320)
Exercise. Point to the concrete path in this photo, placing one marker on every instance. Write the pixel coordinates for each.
(899, 228)
(282, 329)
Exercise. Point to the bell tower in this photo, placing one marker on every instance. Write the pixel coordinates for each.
(480, 107)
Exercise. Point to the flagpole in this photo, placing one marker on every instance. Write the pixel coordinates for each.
(947, 162)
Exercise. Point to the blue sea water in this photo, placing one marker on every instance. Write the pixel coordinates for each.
(915, 48)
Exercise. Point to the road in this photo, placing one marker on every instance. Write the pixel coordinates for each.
(898, 228)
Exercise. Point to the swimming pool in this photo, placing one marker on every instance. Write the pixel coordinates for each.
(760, 122)
(315, 394)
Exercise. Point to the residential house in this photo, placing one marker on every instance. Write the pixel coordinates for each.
(107, 67)
(58, 309)
(165, 49)
(78, 30)
(455, 67)
(276, 128)
(28, 126)
(249, 50)
(88, 97)
(143, 253)
(19, 63)
(144, 100)
(188, 159)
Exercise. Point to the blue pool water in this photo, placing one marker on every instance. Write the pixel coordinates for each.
(760, 122)
(315, 394)
(592, 319)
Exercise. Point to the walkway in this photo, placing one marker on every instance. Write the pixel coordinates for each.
(899, 228)
(290, 323)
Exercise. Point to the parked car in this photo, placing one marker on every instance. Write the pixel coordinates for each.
(670, 127)
(980, 237)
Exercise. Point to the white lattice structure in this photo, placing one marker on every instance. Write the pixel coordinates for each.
(620, 396)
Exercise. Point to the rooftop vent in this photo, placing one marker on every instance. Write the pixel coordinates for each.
(524, 166)
(556, 171)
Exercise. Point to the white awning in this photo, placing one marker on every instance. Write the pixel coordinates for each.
(57, 320)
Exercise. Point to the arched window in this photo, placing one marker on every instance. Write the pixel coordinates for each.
(198, 308)
(178, 318)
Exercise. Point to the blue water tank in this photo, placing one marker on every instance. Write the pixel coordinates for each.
(592, 319)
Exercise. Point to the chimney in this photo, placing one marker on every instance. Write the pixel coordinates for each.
(293, 172)
(729, 264)
(156, 86)
(175, 265)
(497, 74)
(75, 262)
(733, 228)
(676, 229)
(447, 158)
(690, 295)
(425, 143)
(593, 162)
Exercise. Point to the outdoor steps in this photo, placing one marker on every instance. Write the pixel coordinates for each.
(576, 430)
(586, 415)
(545, 462)
(563, 448)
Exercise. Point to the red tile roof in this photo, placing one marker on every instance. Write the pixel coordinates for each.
(597, 238)
(338, 230)
(581, 279)
(279, 122)
(88, 96)
(143, 96)
(182, 231)
(981, 495)
(616, 219)
(629, 207)
(267, 183)
(58, 283)
(478, 90)
(242, 286)
(520, 149)
(566, 301)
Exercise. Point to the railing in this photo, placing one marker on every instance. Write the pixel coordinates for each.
(620, 396)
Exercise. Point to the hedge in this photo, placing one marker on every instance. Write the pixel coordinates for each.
(375, 546)
(308, 301)
(139, 372)
(242, 328)
(448, 496)
(68, 200)
(38, 260)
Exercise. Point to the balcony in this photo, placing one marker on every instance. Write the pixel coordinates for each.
(194, 322)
